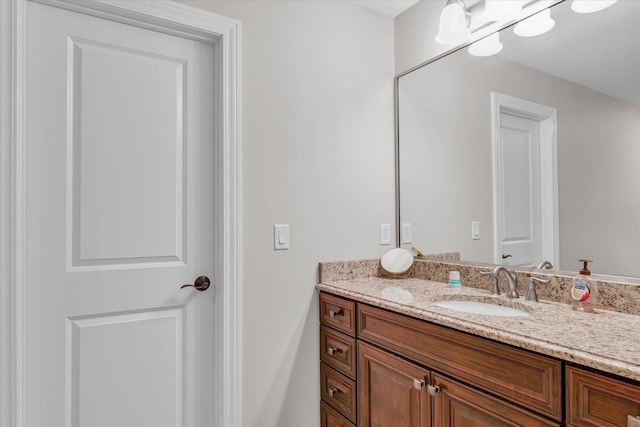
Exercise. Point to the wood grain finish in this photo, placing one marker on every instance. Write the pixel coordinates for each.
(390, 390)
(329, 417)
(456, 405)
(338, 313)
(338, 391)
(519, 376)
(338, 351)
(597, 400)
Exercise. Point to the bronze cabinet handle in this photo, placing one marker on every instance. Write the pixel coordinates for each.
(202, 283)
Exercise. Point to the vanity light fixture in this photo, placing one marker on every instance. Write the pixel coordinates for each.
(500, 10)
(590, 6)
(535, 25)
(487, 46)
(454, 24)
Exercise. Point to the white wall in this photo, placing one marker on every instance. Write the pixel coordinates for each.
(317, 110)
(415, 31)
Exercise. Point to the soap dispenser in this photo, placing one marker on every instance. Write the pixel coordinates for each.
(584, 292)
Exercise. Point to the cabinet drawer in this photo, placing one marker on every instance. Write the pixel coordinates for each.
(338, 351)
(596, 400)
(519, 376)
(338, 313)
(338, 391)
(329, 417)
(457, 404)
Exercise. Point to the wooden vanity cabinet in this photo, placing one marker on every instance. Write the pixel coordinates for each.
(413, 373)
(597, 400)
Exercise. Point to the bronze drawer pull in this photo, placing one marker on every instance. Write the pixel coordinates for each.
(334, 313)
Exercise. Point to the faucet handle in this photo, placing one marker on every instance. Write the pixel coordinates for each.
(531, 292)
(495, 290)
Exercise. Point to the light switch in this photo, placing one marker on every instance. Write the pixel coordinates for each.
(280, 236)
(406, 233)
(385, 234)
(475, 230)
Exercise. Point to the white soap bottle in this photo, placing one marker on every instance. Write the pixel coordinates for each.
(584, 291)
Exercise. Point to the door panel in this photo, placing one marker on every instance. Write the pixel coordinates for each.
(119, 204)
(520, 230)
(108, 88)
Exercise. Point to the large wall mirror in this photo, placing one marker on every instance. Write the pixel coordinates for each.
(531, 154)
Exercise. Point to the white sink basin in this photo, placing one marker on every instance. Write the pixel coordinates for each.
(483, 308)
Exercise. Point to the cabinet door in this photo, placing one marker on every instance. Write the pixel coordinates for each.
(595, 400)
(461, 406)
(391, 391)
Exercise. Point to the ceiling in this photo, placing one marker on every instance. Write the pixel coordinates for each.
(597, 50)
(390, 8)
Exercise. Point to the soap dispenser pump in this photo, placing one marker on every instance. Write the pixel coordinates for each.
(584, 291)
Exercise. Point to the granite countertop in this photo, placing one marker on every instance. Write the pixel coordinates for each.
(604, 340)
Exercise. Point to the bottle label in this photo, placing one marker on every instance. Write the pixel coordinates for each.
(580, 292)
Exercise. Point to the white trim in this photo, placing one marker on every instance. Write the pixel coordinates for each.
(547, 117)
(170, 17)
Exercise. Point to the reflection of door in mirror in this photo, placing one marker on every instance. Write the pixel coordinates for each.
(519, 187)
(525, 182)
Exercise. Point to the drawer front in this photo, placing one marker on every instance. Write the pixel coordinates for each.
(457, 404)
(338, 313)
(329, 417)
(596, 400)
(338, 391)
(519, 376)
(338, 351)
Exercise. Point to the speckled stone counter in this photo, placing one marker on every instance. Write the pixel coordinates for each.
(606, 340)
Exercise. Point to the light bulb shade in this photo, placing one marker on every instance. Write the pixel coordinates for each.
(487, 46)
(535, 25)
(453, 24)
(500, 10)
(590, 6)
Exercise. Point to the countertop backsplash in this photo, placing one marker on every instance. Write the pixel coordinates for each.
(617, 294)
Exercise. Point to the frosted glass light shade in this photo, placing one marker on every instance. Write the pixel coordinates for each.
(590, 6)
(500, 10)
(535, 25)
(453, 25)
(488, 46)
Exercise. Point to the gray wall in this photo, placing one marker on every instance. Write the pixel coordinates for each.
(317, 111)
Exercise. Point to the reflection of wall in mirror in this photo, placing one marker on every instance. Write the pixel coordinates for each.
(446, 186)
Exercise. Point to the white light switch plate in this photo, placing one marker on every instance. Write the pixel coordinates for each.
(385, 234)
(475, 230)
(280, 237)
(406, 233)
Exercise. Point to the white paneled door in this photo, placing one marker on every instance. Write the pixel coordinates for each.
(520, 186)
(119, 189)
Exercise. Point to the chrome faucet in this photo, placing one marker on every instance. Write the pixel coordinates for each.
(545, 264)
(511, 278)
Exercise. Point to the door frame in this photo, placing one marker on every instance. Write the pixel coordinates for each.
(547, 117)
(169, 17)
